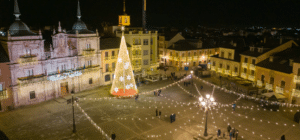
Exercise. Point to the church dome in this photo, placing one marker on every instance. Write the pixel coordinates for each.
(19, 28)
(79, 25)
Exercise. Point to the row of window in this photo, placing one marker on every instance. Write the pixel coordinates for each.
(137, 62)
(227, 67)
(145, 41)
(282, 83)
(246, 61)
(189, 53)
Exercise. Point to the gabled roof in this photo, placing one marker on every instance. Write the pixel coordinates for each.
(111, 43)
(281, 61)
(182, 45)
(269, 45)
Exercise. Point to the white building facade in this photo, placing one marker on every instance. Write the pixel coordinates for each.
(72, 65)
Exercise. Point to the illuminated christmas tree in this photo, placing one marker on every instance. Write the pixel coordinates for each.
(124, 82)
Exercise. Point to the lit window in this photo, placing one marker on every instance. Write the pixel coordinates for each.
(145, 41)
(32, 94)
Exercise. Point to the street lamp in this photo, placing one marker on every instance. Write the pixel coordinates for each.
(207, 102)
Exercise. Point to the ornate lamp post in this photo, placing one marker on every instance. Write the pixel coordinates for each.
(207, 102)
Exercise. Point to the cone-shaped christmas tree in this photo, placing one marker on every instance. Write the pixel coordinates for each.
(124, 82)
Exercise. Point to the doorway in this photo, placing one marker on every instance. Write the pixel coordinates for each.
(64, 90)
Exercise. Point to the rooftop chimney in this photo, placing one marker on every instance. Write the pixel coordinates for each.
(271, 58)
(291, 62)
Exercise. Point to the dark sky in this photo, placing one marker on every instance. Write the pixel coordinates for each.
(178, 13)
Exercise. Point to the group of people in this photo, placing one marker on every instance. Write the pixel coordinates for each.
(172, 117)
(157, 93)
(232, 133)
(186, 83)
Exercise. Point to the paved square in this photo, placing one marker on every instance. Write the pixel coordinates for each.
(137, 120)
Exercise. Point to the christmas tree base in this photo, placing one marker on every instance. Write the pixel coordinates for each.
(128, 93)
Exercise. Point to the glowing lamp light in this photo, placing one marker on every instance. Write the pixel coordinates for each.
(200, 99)
(203, 103)
(212, 99)
(207, 96)
(192, 72)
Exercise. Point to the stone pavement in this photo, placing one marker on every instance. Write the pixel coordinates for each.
(136, 120)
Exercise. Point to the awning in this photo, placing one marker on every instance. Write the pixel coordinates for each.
(277, 95)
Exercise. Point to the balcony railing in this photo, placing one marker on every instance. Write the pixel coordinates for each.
(296, 92)
(32, 79)
(154, 65)
(228, 72)
(259, 83)
(251, 77)
(269, 86)
(252, 67)
(213, 68)
(28, 58)
(3, 95)
(220, 70)
(244, 65)
(278, 90)
(297, 79)
(113, 57)
(88, 51)
(244, 75)
(189, 58)
(235, 74)
(106, 58)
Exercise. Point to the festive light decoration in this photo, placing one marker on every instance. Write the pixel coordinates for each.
(123, 83)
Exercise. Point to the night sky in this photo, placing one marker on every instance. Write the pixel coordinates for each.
(177, 13)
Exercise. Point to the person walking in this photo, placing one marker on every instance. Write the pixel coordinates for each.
(223, 135)
(156, 112)
(159, 113)
(113, 136)
(174, 116)
(233, 132)
(154, 93)
(171, 118)
(201, 87)
(219, 133)
(228, 129)
(236, 134)
(233, 106)
(230, 135)
(282, 137)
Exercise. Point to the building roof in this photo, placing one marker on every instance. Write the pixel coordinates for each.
(111, 43)
(79, 25)
(182, 45)
(269, 45)
(281, 60)
(3, 55)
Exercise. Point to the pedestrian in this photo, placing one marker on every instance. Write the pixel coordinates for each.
(228, 129)
(156, 112)
(233, 106)
(159, 91)
(233, 132)
(236, 135)
(113, 136)
(154, 93)
(174, 116)
(159, 113)
(171, 118)
(282, 137)
(219, 132)
(230, 135)
(201, 87)
(224, 135)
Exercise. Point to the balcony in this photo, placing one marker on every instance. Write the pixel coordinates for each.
(189, 58)
(28, 59)
(183, 58)
(244, 75)
(220, 70)
(279, 90)
(252, 67)
(88, 51)
(296, 93)
(113, 57)
(91, 68)
(32, 79)
(213, 68)
(234, 74)
(3, 95)
(245, 65)
(137, 56)
(259, 83)
(228, 72)
(296, 79)
(251, 77)
(175, 58)
(269, 86)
